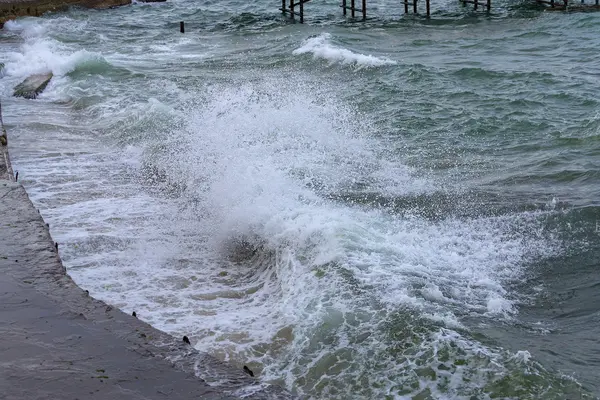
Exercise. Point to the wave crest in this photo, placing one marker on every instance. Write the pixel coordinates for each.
(321, 47)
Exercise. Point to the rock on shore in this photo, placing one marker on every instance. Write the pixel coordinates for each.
(33, 85)
(10, 9)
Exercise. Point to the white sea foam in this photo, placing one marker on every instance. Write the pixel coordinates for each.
(320, 281)
(261, 174)
(39, 56)
(321, 47)
(40, 53)
(26, 27)
(269, 256)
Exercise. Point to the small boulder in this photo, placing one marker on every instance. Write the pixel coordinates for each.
(33, 85)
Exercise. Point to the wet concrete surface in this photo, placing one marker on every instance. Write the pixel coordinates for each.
(58, 343)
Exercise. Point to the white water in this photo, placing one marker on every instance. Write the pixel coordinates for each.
(252, 258)
(321, 47)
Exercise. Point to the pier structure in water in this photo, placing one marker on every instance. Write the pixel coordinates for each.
(295, 8)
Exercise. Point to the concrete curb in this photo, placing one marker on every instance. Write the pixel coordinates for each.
(6, 171)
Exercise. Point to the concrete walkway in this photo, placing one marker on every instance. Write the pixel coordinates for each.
(56, 342)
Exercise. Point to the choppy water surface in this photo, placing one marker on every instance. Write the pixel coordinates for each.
(402, 208)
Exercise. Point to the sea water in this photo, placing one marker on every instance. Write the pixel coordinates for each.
(397, 208)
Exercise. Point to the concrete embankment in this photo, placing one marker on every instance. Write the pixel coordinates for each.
(10, 9)
(56, 342)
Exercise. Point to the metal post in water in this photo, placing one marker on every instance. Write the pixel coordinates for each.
(181, 27)
(352, 8)
(292, 8)
(427, 7)
(405, 6)
(415, 6)
(301, 11)
(283, 6)
(344, 5)
(489, 5)
(364, 9)
(475, 5)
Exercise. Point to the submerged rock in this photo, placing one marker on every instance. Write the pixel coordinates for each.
(33, 85)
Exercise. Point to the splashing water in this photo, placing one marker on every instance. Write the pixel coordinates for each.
(250, 217)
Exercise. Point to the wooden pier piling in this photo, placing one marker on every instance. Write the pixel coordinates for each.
(353, 9)
(567, 5)
(477, 4)
(291, 9)
(415, 4)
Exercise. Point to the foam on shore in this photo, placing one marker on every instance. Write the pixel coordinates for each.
(49, 312)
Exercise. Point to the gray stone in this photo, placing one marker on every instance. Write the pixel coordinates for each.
(33, 85)
(10, 9)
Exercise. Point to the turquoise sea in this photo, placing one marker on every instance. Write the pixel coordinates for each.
(402, 208)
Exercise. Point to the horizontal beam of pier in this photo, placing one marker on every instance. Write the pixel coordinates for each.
(477, 3)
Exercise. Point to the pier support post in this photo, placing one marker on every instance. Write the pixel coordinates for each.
(182, 27)
(283, 7)
(364, 9)
(344, 5)
(301, 11)
(489, 5)
(352, 9)
(405, 6)
(427, 7)
(292, 8)
(415, 6)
